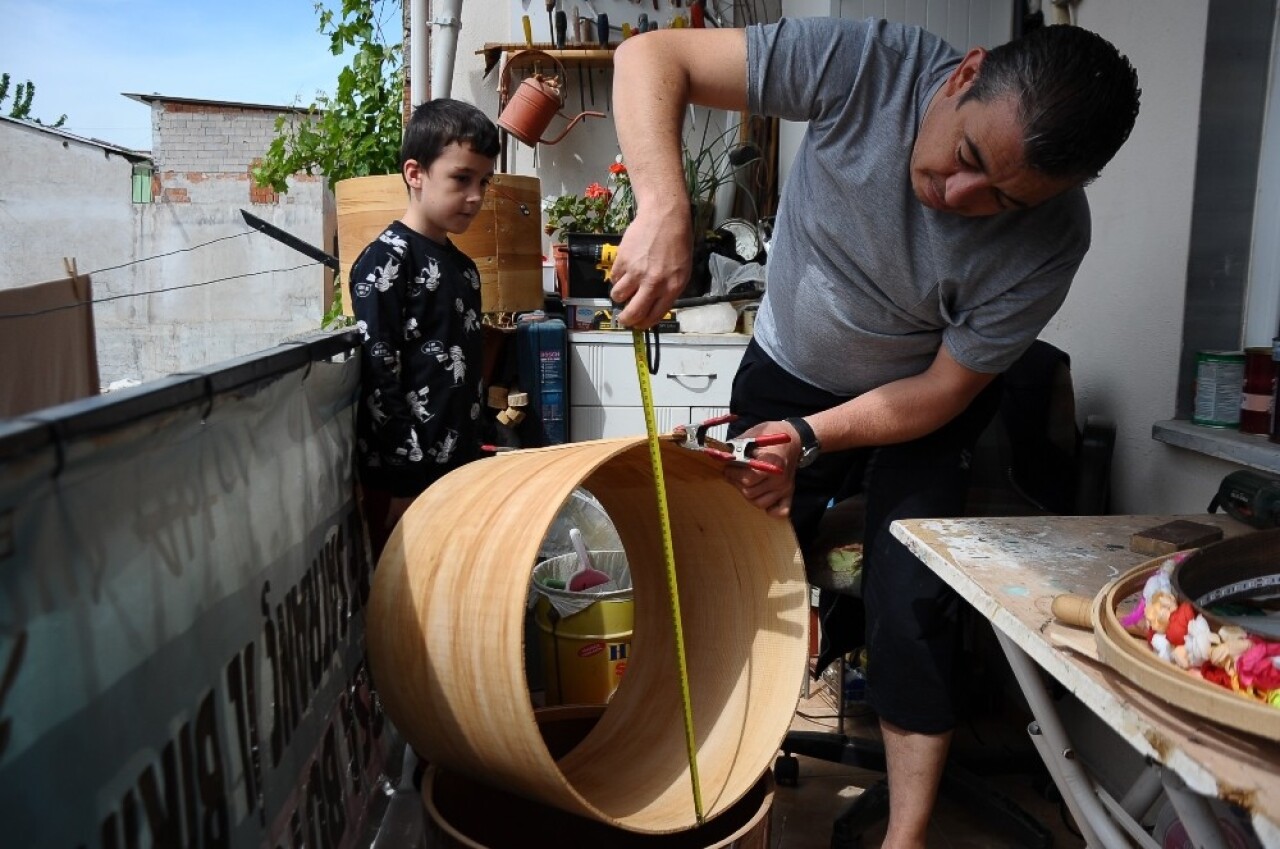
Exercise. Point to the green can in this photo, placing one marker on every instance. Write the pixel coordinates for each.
(1219, 383)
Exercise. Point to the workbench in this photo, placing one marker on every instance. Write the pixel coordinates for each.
(1009, 570)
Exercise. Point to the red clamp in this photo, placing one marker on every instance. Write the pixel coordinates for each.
(740, 450)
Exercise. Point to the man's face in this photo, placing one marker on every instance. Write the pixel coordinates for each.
(968, 159)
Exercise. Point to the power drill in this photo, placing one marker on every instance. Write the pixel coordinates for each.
(603, 254)
(1250, 497)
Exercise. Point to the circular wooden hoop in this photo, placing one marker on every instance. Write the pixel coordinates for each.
(1133, 659)
(446, 627)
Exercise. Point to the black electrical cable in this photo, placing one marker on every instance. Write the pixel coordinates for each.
(33, 313)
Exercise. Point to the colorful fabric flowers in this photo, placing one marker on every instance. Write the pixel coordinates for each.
(1228, 656)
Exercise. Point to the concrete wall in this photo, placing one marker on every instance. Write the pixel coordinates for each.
(231, 289)
(203, 153)
(60, 197)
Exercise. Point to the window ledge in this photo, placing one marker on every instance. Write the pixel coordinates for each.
(1257, 452)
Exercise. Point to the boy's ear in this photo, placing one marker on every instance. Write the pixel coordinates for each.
(413, 174)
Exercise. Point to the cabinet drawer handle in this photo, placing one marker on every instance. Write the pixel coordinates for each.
(677, 375)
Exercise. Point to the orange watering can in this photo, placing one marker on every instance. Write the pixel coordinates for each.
(538, 99)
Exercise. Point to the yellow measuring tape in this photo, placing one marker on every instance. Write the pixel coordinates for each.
(668, 550)
(605, 256)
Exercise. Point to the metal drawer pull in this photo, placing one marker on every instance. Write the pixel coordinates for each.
(678, 375)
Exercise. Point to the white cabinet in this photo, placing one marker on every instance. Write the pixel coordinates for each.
(695, 375)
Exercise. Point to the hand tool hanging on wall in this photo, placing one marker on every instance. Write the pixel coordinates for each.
(528, 30)
(561, 24)
(551, 23)
(602, 35)
(697, 18)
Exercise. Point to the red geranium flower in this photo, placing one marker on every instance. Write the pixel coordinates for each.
(595, 190)
(617, 168)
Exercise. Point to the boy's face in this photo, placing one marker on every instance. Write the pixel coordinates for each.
(446, 197)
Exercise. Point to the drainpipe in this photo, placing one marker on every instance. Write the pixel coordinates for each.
(445, 26)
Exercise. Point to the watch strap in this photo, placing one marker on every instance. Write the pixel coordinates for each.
(809, 445)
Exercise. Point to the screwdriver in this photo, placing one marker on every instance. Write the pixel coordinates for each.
(696, 15)
(551, 23)
(528, 30)
(562, 23)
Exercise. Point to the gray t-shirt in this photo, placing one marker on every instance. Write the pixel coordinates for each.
(864, 281)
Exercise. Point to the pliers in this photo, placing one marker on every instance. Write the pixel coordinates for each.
(739, 450)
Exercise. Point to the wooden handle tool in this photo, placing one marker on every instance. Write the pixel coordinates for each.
(1073, 610)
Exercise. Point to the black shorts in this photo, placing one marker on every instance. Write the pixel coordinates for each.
(911, 627)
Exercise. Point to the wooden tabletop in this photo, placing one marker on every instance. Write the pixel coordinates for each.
(1010, 569)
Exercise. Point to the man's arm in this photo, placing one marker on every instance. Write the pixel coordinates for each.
(897, 412)
(656, 76)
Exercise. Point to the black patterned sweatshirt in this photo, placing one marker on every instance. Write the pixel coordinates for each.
(417, 306)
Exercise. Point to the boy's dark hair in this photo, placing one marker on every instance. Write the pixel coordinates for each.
(439, 123)
(1077, 98)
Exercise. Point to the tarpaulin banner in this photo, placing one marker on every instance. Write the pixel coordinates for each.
(182, 588)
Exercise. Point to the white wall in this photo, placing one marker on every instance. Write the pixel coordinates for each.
(60, 198)
(1122, 323)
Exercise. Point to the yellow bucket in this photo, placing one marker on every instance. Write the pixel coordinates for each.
(584, 654)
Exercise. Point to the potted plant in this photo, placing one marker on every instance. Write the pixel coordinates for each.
(598, 214)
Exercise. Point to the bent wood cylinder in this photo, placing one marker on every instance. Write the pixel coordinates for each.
(446, 628)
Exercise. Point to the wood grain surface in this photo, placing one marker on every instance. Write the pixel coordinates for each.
(446, 629)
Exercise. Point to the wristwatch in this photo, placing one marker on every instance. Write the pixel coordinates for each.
(810, 448)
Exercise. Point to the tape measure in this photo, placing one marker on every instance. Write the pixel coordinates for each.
(669, 554)
(605, 255)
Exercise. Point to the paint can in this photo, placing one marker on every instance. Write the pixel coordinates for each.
(462, 813)
(584, 653)
(1219, 381)
(1259, 384)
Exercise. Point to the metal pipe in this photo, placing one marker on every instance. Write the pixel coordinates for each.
(1075, 780)
(1193, 812)
(418, 51)
(444, 39)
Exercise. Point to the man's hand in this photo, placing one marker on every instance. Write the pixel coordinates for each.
(652, 267)
(771, 493)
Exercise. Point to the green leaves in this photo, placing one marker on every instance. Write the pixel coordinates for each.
(356, 131)
(20, 108)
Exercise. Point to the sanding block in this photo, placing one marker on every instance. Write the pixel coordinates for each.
(1173, 536)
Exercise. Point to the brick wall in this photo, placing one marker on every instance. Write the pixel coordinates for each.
(211, 138)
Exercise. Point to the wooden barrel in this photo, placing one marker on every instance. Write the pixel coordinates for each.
(462, 813)
(446, 627)
(504, 240)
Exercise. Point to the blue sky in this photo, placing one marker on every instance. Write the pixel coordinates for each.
(81, 54)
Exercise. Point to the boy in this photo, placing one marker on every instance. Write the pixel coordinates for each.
(416, 300)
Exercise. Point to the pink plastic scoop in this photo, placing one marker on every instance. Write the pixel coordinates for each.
(587, 576)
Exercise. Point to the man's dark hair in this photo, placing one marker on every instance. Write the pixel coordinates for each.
(439, 123)
(1077, 98)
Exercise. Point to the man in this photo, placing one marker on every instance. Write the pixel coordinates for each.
(930, 227)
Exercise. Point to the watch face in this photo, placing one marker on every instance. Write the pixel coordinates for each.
(745, 236)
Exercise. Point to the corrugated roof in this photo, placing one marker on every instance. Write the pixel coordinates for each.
(127, 152)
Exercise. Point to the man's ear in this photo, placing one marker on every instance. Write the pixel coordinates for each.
(965, 73)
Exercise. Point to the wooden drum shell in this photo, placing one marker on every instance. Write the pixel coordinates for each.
(446, 628)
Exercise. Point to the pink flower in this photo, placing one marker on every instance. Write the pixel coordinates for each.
(1257, 668)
